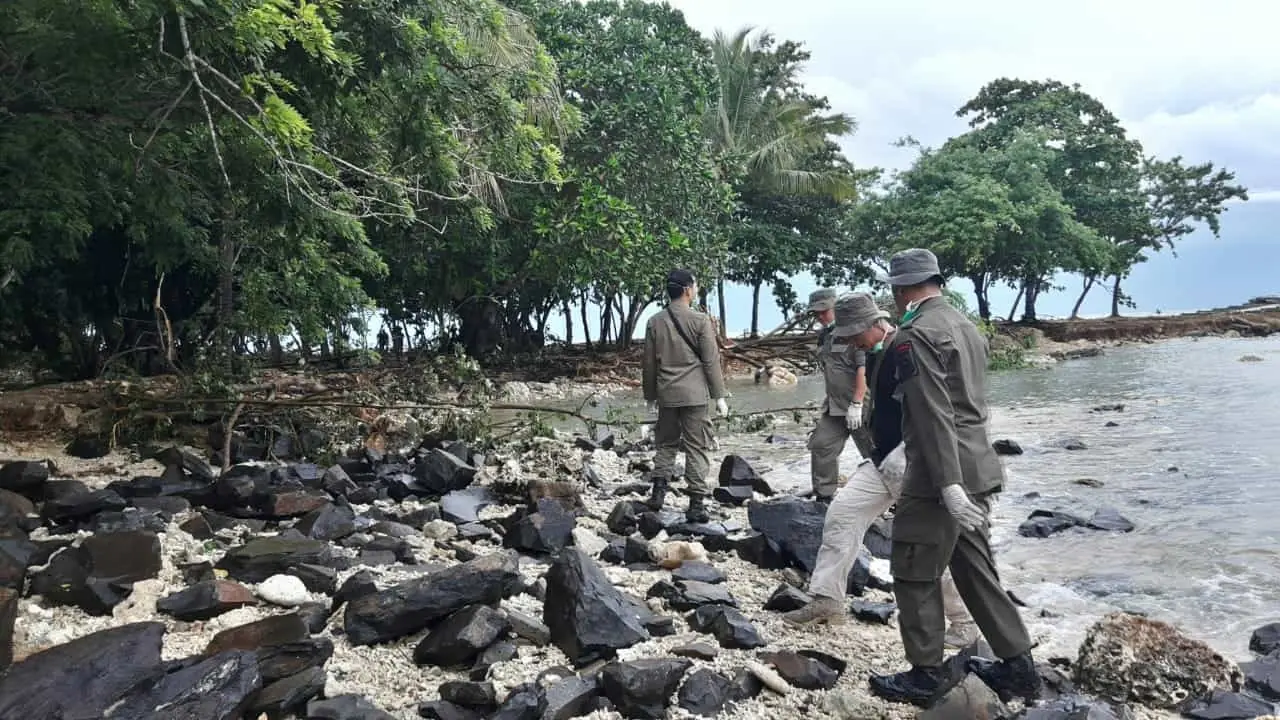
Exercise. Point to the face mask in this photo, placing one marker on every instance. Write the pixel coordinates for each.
(879, 346)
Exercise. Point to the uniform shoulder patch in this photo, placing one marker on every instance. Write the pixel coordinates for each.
(904, 361)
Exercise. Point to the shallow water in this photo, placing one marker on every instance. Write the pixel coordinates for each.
(1192, 462)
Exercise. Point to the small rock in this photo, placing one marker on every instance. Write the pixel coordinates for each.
(705, 692)
(1225, 705)
(528, 628)
(205, 600)
(570, 697)
(217, 688)
(475, 695)
(643, 688)
(291, 693)
(970, 699)
(697, 651)
(1007, 447)
(1110, 520)
(445, 710)
(786, 598)
(1088, 482)
(285, 590)
(736, 471)
(731, 628)
(1263, 676)
(346, 707)
(698, 571)
(461, 637)
(588, 617)
(872, 612)
(1266, 639)
(803, 672)
(260, 558)
(546, 531)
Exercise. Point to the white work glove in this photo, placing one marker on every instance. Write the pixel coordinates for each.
(853, 418)
(722, 407)
(967, 514)
(652, 406)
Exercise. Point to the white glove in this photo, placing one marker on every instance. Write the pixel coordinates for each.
(853, 418)
(722, 407)
(652, 406)
(965, 511)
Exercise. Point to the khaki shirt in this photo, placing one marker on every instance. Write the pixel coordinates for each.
(940, 359)
(673, 374)
(839, 363)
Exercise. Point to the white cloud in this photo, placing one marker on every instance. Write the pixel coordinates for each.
(1186, 77)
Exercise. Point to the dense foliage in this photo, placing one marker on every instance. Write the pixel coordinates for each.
(187, 182)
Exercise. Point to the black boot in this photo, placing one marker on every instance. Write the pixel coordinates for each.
(697, 512)
(658, 497)
(1016, 677)
(918, 686)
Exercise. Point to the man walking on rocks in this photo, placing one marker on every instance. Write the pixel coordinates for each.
(681, 374)
(952, 473)
(875, 485)
(844, 372)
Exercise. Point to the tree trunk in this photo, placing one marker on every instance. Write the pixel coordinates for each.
(586, 328)
(1030, 295)
(568, 324)
(606, 321)
(755, 309)
(1016, 300)
(979, 281)
(724, 333)
(1089, 280)
(277, 352)
(226, 282)
(1115, 298)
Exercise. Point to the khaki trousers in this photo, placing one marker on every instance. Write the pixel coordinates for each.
(688, 429)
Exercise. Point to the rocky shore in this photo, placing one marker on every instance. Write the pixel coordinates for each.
(525, 582)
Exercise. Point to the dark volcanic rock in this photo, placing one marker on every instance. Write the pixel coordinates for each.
(358, 585)
(205, 600)
(217, 689)
(643, 688)
(411, 606)
(571, 697)
(804, 672)
(731, 628)
(441, 472)
(872, 612)
(461, 637)
(524, 702)
(261, 558)
(588, 617)
(546, 531)
(346, 707)
(331, 522)
(736, 471)
(786, 598)
(80, 506)
(84, 677)
(476, 695)
(1266, 639)
(1263, 676)
(267, 632)
(699, 571)
(24, 476)
(1110, 520)
(1224, 705)
(1044, 523)
(445, 710)
(794, 525)
(1007, 447)
(282, 660)
(528, 628)
(691, 594)
(1073, 708)
(98, 575)
(291, 693)
(705, 692)
(734, 495)
(624, 519)
(317, 578)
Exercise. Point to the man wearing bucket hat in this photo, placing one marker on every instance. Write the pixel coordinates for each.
(874, 485)
(844, 373)
(952, 474)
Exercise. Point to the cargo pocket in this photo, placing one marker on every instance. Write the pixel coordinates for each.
(917, 562)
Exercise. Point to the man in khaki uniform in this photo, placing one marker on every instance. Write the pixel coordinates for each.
(681, 375)
(845, 376)
(952, 474)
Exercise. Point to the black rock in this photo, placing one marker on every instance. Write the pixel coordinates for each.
(499, 652)
(445, 710)
(786, 598)
(1224, 705)
(358, 585)
(731, 628)
(24, 476)
(547, 531)
(624, 519)
(734, 495)
(697, 651)
(1006, 447)
(757, 549)
(314, 615)
(346, 707)
(530, 629)
(691, 594)
(279, 661)
(736, 471)
(187, 460)
(80, 506)
(16, 555)
(411, 606)
(803, 672)
(636, 550)
(660, 625)
(331, 522)
(84, 677)
(463, 506)
(99, 574)
(441, 472)
(317, 578)
(524, 702)
(475, 695)
(879, 539)
(570, 698)
(205, 600)
(128, 520)
(615, 552)
(872, 612)
(259, 559)
(461, 637)
(588, 617)
(794, 525)
(643, 688)
(270, 631)
(1044, 523)
(705, 692)
(1263, 676)
(698, 571)
(291, 693)
(218, 688)
(88, 446)
(1110, 520)
(1266, 639)
(745, 685)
